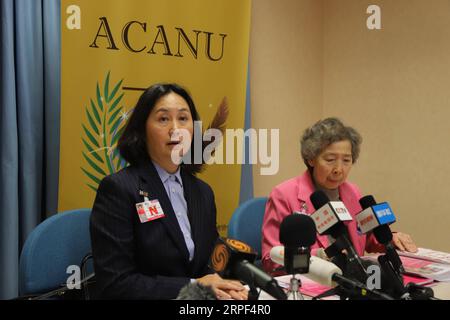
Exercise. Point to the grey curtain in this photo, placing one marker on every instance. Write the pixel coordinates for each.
(29, 126)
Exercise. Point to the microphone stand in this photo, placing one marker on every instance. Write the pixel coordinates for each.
(294, 288)
(296, 262)
(350, 261)
(419, 292)
(348, 288)
(395, 278)
(411, 291)
(253, 293)
(351, 285)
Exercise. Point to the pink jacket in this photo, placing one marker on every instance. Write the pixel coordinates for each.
(293, 195)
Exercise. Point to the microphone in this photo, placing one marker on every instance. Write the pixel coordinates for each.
(377, 218)
(328, 274)
(196, 291)
(233, 259)
(277, 255)
(329, 217)
(297, 234)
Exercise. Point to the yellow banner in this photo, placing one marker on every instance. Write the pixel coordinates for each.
(113, 49)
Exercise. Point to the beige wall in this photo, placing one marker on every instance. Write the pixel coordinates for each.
(311, 59)
(286, 58)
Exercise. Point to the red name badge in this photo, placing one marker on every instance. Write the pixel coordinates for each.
(149, 210)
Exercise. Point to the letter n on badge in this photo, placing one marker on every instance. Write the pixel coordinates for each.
(149, 210)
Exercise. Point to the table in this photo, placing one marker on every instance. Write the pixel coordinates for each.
(441, 289)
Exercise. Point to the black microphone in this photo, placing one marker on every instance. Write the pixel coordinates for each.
(328, 274)
(369, 220)
(196, 291)
(232, 259)
(329, 217)
(376, 218)
(297, 234)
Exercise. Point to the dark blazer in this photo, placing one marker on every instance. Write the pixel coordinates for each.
(134, 260)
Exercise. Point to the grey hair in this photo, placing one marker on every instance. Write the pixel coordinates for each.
(325, 132)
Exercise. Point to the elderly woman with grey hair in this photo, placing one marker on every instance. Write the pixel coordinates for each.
(329, 149)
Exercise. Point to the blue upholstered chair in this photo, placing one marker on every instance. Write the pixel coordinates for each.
(246, 223)
(60, 241)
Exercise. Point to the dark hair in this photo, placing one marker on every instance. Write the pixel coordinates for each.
(132, 143)
(325, 132)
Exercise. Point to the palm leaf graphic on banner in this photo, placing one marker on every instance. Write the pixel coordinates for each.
(105, 122)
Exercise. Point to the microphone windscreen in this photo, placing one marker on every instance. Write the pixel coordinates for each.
(367, 201)
(320, 253)
(319, 199)
(196, 291)
(297, 230)
(322, 271)
(277, 254)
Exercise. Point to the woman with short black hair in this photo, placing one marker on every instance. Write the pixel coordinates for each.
(153, 224)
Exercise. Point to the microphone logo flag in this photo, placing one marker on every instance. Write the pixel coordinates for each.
(366, 220)
(374, 216)
(220, 257)
(324, 219)
(341, 211)
(239, 245)
(384, 213)
(227, 252)
(330, 214)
